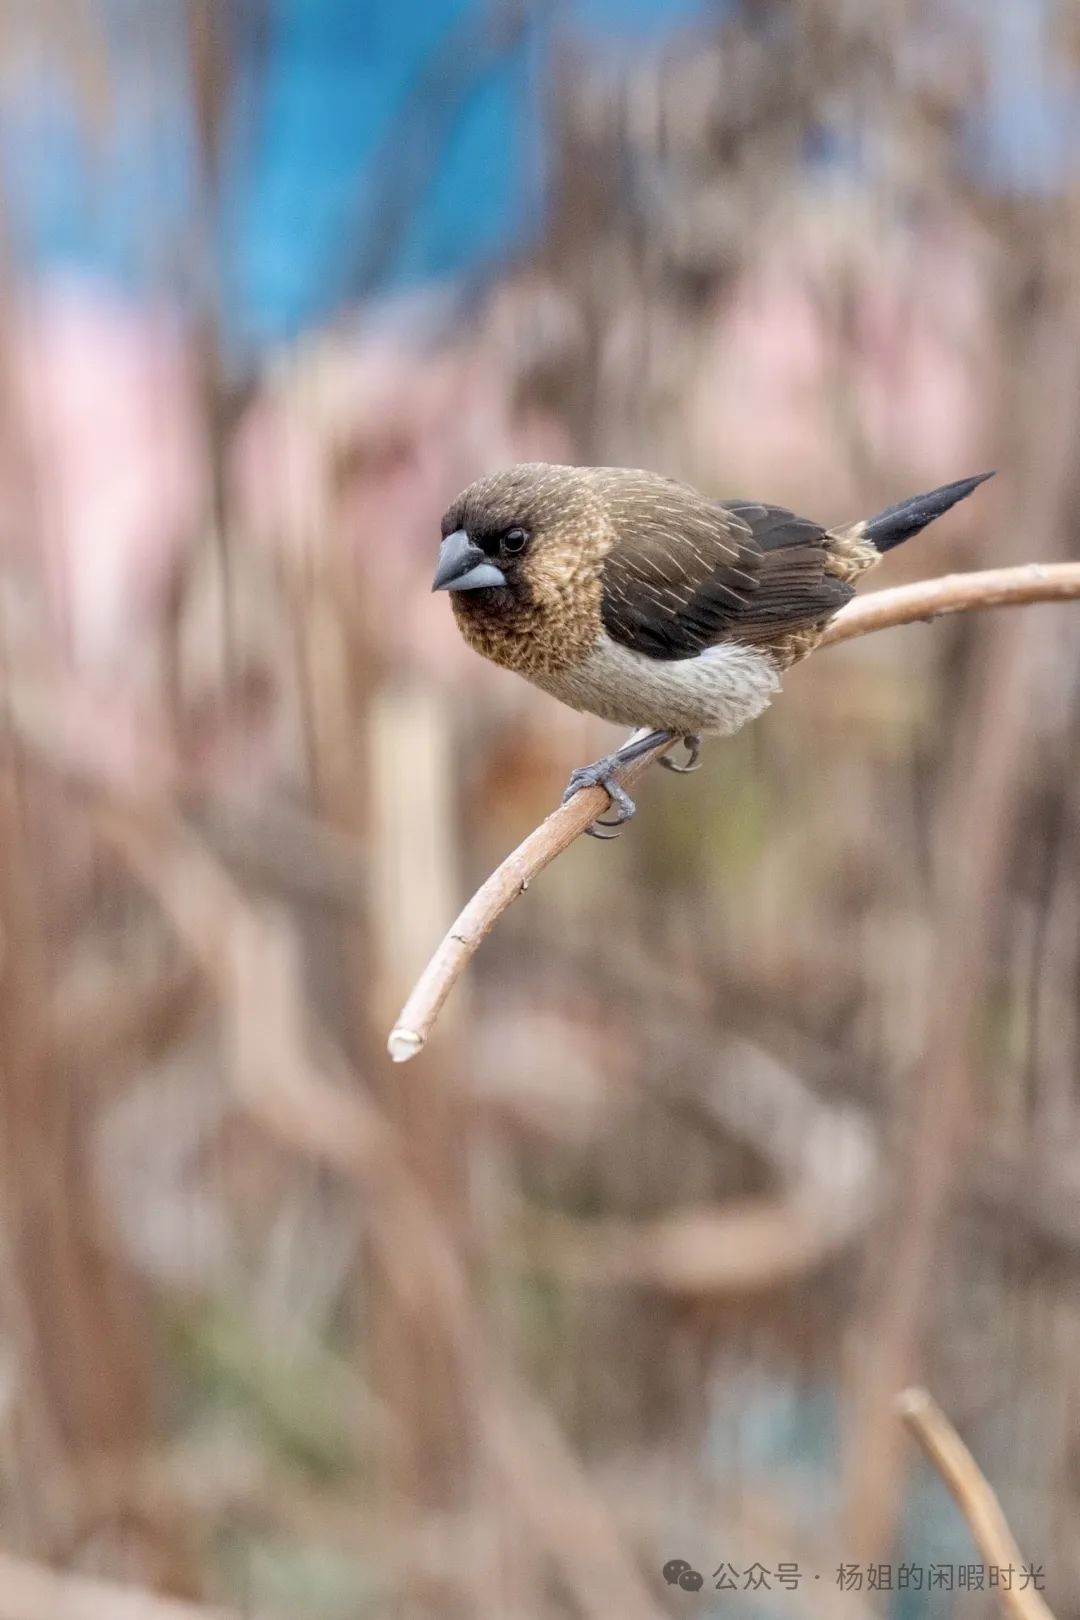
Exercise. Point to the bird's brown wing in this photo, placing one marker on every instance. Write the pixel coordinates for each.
(690, 574)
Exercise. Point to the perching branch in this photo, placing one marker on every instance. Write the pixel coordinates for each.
(929, 599)
(923, 1417)
(954, 593)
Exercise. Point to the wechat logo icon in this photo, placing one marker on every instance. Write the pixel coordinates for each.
(677, 1572)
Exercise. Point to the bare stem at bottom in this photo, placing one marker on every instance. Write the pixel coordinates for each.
(970, 1490)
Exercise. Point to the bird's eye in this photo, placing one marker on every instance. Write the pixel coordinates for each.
(514, 541)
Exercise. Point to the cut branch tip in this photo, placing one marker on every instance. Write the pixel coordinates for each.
(404, 1044)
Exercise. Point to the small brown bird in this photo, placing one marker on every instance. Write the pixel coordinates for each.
(635, 598)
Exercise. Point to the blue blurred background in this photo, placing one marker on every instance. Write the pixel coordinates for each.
(415, 135)
(335, 107)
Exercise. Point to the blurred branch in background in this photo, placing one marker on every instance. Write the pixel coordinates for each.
(973, 850)
(302, 1096)
(29, 1592)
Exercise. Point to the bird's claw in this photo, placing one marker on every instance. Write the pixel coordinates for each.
(603, 774)
(605, 830)
(692, 744)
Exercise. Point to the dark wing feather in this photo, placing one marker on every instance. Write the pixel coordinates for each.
(687, 574)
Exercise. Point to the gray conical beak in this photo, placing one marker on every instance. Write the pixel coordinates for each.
(463, 566)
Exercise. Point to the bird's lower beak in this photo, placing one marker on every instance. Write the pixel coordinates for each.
(463, 566)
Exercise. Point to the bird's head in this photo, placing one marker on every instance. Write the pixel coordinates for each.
(520, 539)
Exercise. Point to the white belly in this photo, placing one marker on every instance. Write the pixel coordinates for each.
(718, 692)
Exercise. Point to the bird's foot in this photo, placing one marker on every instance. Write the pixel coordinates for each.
(692, 744)
(603, 774)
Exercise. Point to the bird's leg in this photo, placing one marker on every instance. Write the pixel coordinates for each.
(692, 744)
(604, 773)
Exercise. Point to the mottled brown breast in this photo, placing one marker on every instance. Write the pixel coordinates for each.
(522, 636)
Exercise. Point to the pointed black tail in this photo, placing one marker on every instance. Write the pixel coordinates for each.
(900, 522)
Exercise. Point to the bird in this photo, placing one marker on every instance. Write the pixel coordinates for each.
(634, 597)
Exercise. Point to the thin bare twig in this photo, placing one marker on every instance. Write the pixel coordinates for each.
(923, 1417)
(929, 599)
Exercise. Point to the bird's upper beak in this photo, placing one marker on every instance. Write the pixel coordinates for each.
(463, 566)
